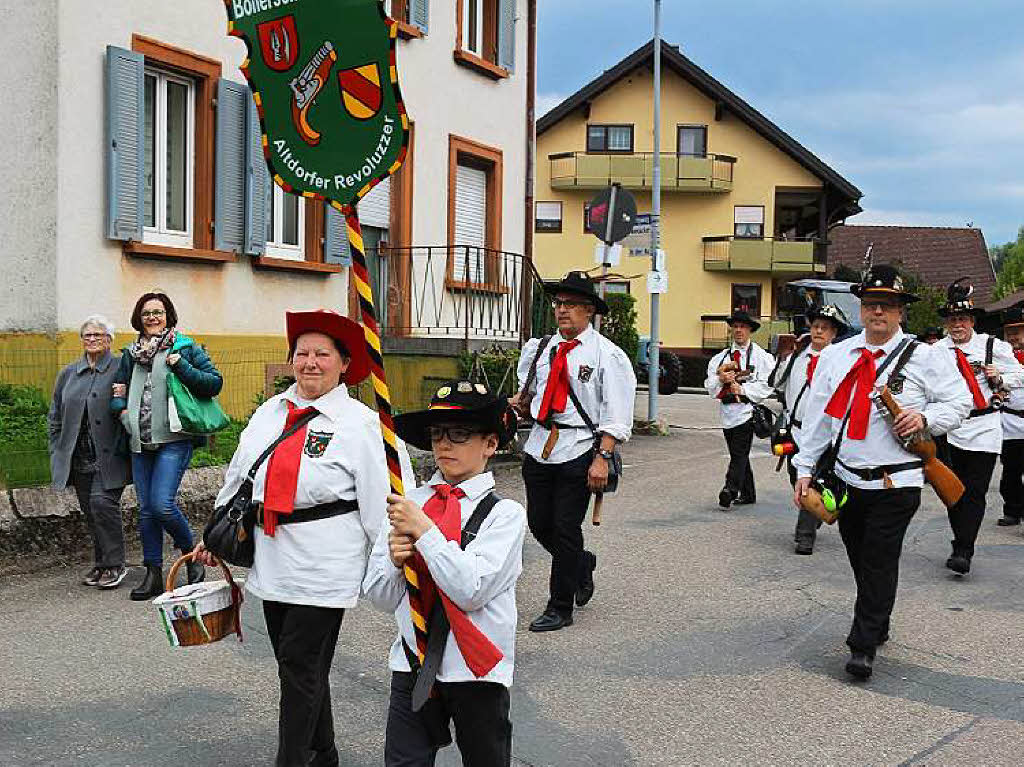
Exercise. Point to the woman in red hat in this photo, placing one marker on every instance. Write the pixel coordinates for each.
(321, 499)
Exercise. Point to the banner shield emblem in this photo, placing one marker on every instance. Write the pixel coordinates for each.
(325, 83)
(279, 43)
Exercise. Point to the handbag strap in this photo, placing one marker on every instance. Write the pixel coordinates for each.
(284, 435)
(532, 375)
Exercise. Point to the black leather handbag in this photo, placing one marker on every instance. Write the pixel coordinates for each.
(763, 419)
(229, 535)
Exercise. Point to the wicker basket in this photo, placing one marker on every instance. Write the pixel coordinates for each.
(200, 613)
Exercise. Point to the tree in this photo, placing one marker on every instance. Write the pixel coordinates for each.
(1009, 262)
(846, 274)
(619, 325)
(924, 313)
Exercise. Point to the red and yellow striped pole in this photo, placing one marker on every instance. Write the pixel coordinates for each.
(383, 397)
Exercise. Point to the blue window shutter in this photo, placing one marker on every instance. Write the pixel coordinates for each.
(125, 143)
(257, 183)
(419, 14)
(230, 162)
(507, 34)
(335, 238)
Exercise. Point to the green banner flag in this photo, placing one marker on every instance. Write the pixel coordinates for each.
(325, 82)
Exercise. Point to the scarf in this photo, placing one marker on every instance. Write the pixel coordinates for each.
(862, 376)
(283, 471)
(477, 650)
(556, 392)
(812, 363)
(1019, 354)
(964, 366)
(144, 350)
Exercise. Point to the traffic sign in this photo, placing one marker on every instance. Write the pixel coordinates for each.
(612, 214)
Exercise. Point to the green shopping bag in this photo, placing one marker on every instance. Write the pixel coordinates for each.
(189, 414)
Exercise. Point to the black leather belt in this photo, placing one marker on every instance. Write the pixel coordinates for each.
(311, 513)
(798, 424)
(732, 399)
(982, 411)
(1011, 411)
(880, 472)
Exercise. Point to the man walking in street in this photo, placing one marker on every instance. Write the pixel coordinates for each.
(883, 479)
(1011, 486)
(826, 323)
(738, 378)
(990, 371)
(579, 388)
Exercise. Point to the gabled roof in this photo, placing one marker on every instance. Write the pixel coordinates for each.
(938, 255)
(676, 62)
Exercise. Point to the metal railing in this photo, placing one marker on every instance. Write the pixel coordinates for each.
(715, 331)
(635, 170)
(765, 254)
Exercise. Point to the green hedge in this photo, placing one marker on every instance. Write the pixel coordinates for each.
(24, 456)
(495, 367)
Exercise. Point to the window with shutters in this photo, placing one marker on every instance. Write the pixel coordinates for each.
(411, 16)
(474, 215)
(485, 36)
(169, 158)
(286, 226)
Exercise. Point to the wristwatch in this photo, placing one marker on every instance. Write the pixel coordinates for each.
(606, 454)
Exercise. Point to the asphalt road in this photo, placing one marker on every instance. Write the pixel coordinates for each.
(707, 643)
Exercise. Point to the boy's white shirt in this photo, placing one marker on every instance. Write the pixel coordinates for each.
(481, 579)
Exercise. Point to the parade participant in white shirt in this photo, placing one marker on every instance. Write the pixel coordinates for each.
(465, 545)
(988, 366)
(566, 459)
(826, 323)
(1011, 482)
(884, 480)
(930, 335)
(737, 390)
(321, 500)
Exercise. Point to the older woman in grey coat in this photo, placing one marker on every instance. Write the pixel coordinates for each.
(88, 448)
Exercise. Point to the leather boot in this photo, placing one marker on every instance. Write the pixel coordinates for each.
(196, 571)
(152, 585)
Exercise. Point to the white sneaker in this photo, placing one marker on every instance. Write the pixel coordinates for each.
(112, 578)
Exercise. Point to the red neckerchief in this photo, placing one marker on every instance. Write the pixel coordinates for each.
(477, 650)
(862, 374)
(812, 363)
(964, 366)
(283, 471)
(556, 391)
(1019, 354)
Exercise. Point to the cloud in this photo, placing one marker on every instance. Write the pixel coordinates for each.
(548, 101)
(880, 217)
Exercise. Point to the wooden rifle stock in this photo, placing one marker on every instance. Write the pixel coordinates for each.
(947, 485)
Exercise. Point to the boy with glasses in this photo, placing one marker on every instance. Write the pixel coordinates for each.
(463, 547)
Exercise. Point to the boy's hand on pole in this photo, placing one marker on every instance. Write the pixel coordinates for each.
(407, 518)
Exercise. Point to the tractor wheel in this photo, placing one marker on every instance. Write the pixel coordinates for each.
(670, 373)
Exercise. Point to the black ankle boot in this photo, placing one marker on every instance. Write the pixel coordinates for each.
(152, 585)
(196, 571)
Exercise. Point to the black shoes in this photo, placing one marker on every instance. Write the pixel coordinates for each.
(196, 571)
(152, 585)
(959, 564)
(329, 758)
(549, 620)
(744, 501)
(726, 497)
(859, 665)
(92, 577)
(586, 590)
(112, 577)
(804, 547)
(1007, 521)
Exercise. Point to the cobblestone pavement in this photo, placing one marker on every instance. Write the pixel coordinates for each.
(707, 643)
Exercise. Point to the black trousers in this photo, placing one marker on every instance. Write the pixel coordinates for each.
(806, 523)
(1011, 483)
(483, 730)
(974, 469)
(872, 525)
(557, 498)
(304, 638)
(740, 477)
(102, 511)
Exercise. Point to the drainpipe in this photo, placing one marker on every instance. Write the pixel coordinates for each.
(531, 154)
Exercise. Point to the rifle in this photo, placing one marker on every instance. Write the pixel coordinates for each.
(947, 485)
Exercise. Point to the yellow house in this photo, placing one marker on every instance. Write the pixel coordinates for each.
(745, 208)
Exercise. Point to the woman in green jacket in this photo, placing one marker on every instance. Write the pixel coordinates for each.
(159, 455)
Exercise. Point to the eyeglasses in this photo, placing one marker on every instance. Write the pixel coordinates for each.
(558, 302)
(93, 336)
(883, 305)
(457, 435)
(154, 313)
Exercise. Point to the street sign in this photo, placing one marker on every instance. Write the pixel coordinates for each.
(638, 241)
(616, 206)
(607, 255)
(324, 82)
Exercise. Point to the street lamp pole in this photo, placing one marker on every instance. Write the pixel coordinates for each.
(653, 356)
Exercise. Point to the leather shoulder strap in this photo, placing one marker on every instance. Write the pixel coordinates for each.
(990, 346)
(532, 375)
(284, 435)
(480, 513)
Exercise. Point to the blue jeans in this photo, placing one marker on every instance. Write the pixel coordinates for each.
(157, 474)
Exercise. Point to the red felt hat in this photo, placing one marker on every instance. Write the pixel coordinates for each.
(338, 327)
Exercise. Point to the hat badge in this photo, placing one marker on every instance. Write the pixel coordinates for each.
(443, 392)
(465, 387)
(481, 389)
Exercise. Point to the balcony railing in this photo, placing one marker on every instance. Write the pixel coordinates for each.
(456, 293)
(715, 331)
(767, 254)
(679, 172)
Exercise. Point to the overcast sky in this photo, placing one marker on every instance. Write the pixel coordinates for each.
(919, 103)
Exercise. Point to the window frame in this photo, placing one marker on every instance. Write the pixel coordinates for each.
(398, 11)
(276, 247)
(463, 151)
(679, 136)
(733, 305)
(548, 229)
(159, 233)
(485, 59)
(736, 224)
(605, 149)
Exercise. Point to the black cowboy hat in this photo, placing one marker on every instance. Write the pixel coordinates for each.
(741, 315)
(459, 402)
(959, 301)
(931, 332)
(580, 284)
(883, 280)
(1013, 316)
(831, 313)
